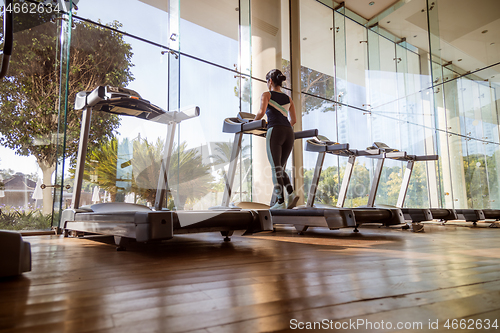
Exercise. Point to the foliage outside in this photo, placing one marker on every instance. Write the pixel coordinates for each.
(29, 94)
(242, 180)
(23, 218)
(359, 186)
(189, 178)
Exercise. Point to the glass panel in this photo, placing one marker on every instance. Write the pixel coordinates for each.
(431, 140)
(418, 191)
(325, 121)
(493, 150)
(317, 57)
(267, 53)
(340, 59)
(31, 138)
(457, 146)
(356, 56)
(475, 164)
(383, 130)
(493, 175)
(445, 161)
(245, 60)
(61, 195)
(359, 187)
(209, 30)
(490, 132)
(403, 105)
(434, 42)
(206, 149)
(328, 185)
(124, 153)
(476, 176)
(147, 19)
(412, 134)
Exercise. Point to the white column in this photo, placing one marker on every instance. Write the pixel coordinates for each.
(298, 151)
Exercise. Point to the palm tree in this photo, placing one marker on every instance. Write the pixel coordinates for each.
(188, 178)
(222, 157)
(101, 168)
(145, 168)
(223, 152)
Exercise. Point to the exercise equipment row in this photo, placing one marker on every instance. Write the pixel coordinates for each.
(381, 152)
(133, 222)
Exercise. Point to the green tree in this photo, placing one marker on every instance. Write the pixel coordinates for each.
(328, 185)
(313, 83)
(389, 185)
(480, 185)
(417, 195)
(29, 94)
(330, 181)
(359, 186)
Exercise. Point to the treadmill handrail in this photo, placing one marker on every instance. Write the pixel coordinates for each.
(340, 149)
(236, 125)
(306, 134)
(395, 154)
(424, 157)
(334, 148)
(253, 125)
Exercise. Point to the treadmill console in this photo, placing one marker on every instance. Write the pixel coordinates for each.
(117, 100)
(383, 147)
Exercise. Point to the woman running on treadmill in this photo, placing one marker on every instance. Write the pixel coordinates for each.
(280, 137)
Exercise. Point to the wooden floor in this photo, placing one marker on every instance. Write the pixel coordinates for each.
(266, 282)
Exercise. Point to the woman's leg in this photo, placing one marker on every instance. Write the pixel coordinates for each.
(274, 142)
(286, 149)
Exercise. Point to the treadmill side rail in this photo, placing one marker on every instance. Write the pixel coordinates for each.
(470, 215)
(262, 221)
(417, 214)
(154, 226)
(339, 218)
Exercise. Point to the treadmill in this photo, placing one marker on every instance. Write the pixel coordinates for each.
(305, 217)
(442, 214)
(127, 221)
(322, 145)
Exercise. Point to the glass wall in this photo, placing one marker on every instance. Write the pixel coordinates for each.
(185, 58)
(33, 96)
(358, 82)
(124, 154)
(464, 73)
(375, 96)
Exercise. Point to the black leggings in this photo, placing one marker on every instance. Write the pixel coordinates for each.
(279, 143)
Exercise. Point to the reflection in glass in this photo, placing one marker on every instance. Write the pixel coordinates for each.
(203, 136)
(209, 30)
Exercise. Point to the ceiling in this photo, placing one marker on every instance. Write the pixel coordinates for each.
(469, 32)
(367, 11)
